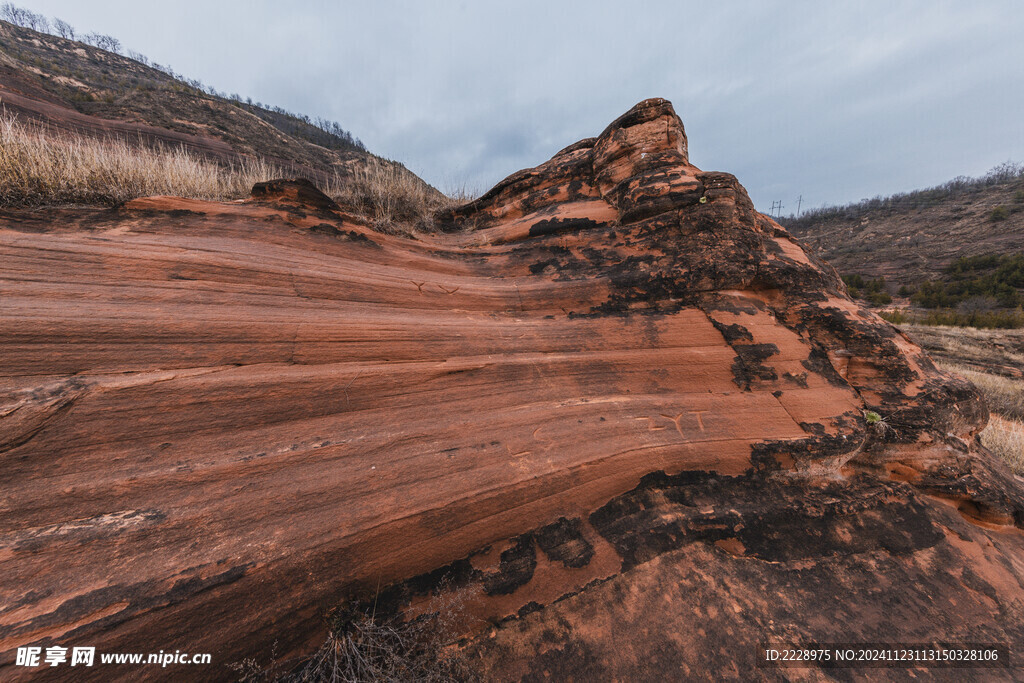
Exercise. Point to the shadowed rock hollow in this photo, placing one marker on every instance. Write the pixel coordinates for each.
(620, 411)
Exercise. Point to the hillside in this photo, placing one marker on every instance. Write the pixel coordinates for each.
(76, 87)
(910, 238)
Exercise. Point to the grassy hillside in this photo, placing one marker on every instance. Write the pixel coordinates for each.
(83, 124)
(914, 237)
(72, 84)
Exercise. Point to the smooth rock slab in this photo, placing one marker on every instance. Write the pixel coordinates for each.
(219, 420)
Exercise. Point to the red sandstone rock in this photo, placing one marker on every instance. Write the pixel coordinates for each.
(613, 404)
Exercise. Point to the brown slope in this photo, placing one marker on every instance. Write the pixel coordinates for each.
(918, 235)
(76, 87)
(222, 419)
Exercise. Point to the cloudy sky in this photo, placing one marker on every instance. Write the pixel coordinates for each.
(795, 98)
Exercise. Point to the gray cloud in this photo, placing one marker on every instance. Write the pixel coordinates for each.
(832, 103)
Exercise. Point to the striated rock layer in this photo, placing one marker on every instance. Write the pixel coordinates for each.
(617, 409)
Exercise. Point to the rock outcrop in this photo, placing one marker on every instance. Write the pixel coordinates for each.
(627, 416)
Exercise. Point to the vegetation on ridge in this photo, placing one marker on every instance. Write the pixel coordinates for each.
(957, 188)
(39, 166)
(47, 157)
(910, 238)
(996, 278)
(97, 82)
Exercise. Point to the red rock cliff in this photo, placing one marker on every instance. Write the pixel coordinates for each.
(612, 403)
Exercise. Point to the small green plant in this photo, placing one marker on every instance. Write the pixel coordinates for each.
(881, 425)
(1000, 213)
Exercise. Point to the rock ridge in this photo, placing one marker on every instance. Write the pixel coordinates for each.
(610, 395)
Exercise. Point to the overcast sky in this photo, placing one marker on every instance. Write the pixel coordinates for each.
(834, 103)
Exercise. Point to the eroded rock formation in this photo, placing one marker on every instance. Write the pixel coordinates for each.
(620, 411)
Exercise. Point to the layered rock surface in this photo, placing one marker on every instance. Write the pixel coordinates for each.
(617, 409)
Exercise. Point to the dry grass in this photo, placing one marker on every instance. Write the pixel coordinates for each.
(390, 195)
(38, 167)
(1004, 435)
(969, 344)
(1005, 438)
(363, 647)
(42, 167)
(1004, 395)
(992, 360)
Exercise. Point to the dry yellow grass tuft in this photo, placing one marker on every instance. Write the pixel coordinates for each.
(1005, 438)
(388, 193)
(1004, 435)
(42, 167)
(978, 347)
(1004, 395)
(38, 166)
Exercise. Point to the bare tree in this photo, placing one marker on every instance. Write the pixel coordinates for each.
(63, 29)
(19, 16)
(37, 22)
(109, 43)
(14, 14)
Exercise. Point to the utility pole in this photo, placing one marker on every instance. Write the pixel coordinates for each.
(771, 211)
(778, 209)
(799, 201)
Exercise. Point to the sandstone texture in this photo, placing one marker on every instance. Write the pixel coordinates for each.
(625, 415)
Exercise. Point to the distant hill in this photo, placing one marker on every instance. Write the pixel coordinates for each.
(913, 237)
(72, 85)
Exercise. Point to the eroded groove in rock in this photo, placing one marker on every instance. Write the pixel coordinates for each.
(219, 420)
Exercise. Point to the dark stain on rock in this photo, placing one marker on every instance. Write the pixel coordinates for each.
(351, 235)
(515, 568)
(749, 364)
(775, 521)
(563, 541)
(561, 225)
(818, 363)
(799, 380)
(732, 332)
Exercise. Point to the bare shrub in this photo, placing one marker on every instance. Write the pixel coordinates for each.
(1004, 435)
(362, 647)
